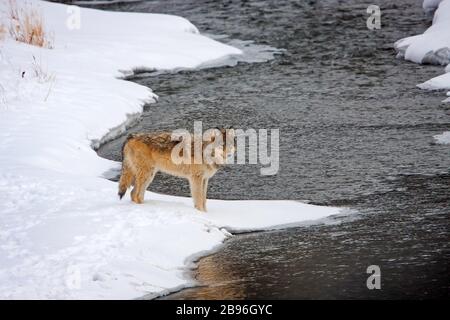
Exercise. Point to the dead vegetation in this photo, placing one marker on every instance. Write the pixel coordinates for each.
(27, 25)
(3, 31)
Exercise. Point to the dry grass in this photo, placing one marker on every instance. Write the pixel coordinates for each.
(2, 31)
(41, 72)
(27, 25)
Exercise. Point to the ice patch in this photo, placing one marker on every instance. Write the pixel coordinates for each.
(443, 138)
(250, 52)
(431, 47)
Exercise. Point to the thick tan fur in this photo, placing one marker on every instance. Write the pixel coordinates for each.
(146, 154)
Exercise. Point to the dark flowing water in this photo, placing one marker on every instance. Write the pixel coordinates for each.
(354, 132)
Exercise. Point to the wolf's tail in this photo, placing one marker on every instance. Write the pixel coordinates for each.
(126, 178)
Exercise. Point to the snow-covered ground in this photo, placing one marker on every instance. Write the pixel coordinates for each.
(433, 47)
(63, 231)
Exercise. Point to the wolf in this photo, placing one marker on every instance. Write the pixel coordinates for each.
(144, 154)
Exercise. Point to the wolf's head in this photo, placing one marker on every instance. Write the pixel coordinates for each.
(229, 138)
(221, 145)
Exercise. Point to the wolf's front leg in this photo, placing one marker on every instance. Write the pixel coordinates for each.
(204, 191)
(197, 192)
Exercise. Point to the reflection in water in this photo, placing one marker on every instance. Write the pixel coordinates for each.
(229, 287)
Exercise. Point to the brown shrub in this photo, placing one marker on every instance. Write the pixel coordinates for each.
(27, 25)
(2, 32)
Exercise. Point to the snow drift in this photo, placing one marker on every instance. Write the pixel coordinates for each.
(432, 47)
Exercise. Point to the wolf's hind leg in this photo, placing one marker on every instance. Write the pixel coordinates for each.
(126, 180)
(150, 176)
(142, 181)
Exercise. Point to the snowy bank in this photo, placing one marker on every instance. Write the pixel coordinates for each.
(63, 231)
(430, 5)
(432, 47)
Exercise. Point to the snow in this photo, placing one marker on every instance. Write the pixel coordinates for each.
(443, 138)
(430, 5)
(64, 234)
(432, 47)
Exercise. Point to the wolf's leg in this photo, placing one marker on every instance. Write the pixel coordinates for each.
(205, 191)
(134, 192)
(142, 180)
(197, 192)
(126, 179)
(151, 174)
